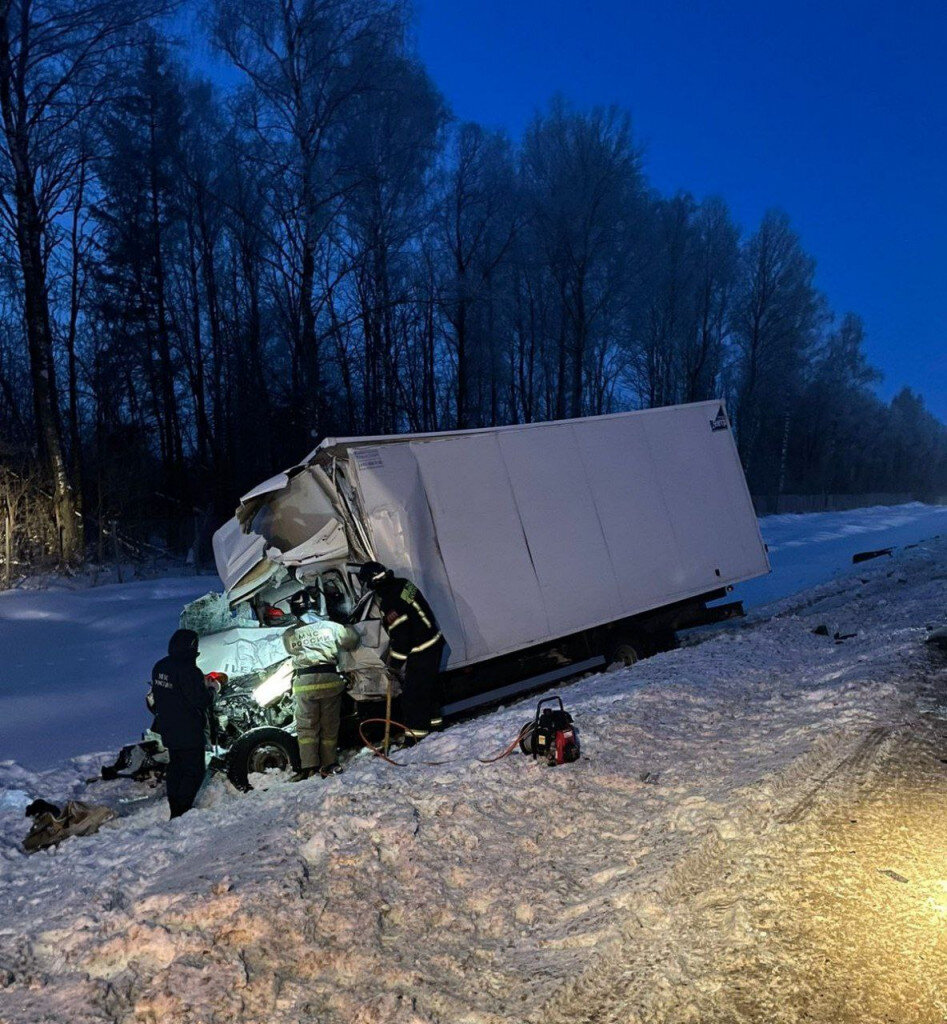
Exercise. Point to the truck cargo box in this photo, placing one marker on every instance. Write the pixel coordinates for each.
(517, 535)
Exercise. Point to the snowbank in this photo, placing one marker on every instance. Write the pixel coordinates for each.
(466, 892)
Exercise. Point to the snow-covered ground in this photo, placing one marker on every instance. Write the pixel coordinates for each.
(75, 661)
(805, 550)
(754, 833)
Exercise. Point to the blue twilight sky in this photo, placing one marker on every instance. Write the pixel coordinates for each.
(834, 111)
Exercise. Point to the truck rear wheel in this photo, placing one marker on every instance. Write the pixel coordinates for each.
(261, 750)
(624, 650)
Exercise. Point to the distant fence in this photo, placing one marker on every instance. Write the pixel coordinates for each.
(774, 504)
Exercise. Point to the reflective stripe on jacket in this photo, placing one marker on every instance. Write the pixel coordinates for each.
(408, 618)
(317, 684)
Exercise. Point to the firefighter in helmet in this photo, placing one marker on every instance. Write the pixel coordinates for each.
(315, 645)
(415, 647)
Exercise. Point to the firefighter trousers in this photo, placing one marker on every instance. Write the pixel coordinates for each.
(318, 714)
(420, 691)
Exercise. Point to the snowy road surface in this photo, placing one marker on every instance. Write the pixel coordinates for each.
(754, 834)
(73, 663)
(805, 550)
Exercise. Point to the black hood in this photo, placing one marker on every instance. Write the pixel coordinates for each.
(374, 575)
(183, 645)
(387, 582)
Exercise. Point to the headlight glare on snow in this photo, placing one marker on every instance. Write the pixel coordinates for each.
(939, 900)
(276, 684)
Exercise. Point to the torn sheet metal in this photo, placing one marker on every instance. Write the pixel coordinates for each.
(236, 553)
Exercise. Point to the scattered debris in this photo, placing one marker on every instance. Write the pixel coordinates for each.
(864, 556)
(838, 636)
(938, 637)
(51, 826)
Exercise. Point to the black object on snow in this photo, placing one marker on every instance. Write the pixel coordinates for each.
(938, 638)
(41, 806)
(864, 556)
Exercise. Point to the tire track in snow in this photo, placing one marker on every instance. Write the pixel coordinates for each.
(844, 774)
(714, 944)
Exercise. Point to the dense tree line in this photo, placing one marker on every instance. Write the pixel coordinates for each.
(199, 282)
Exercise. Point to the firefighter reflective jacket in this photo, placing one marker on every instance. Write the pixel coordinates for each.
(408, 618)
(315, 648)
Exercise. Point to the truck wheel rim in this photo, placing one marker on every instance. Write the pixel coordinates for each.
(267, 757)
(626, 655)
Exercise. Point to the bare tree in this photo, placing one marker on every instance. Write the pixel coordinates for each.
(306, 62)
(386, 150)
(55, 63)
(478, 221)
(716, 251)
(586, 191)
(777, 315)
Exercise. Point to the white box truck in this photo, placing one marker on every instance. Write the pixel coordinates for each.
(544, 549)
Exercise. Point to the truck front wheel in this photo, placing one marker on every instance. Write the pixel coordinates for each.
(261, 750)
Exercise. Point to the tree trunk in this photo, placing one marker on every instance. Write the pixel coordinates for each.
(198, 382)
(578, 348)
(8, 549)
(311, 403)
(462, 358)
(28, 229)
(75, 443)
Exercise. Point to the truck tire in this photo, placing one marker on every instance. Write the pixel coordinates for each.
(624, 650)
(259, 750)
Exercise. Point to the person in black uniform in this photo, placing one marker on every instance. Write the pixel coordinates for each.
(415, 646)
(182, 699)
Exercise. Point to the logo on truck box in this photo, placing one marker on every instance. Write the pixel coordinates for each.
(719, 422)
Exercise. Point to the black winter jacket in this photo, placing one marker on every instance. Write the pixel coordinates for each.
(181, 698)
(407, 616)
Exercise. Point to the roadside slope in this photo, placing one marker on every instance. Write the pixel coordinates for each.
(486, 893)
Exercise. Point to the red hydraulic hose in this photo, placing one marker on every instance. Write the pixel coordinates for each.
(378, 752)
